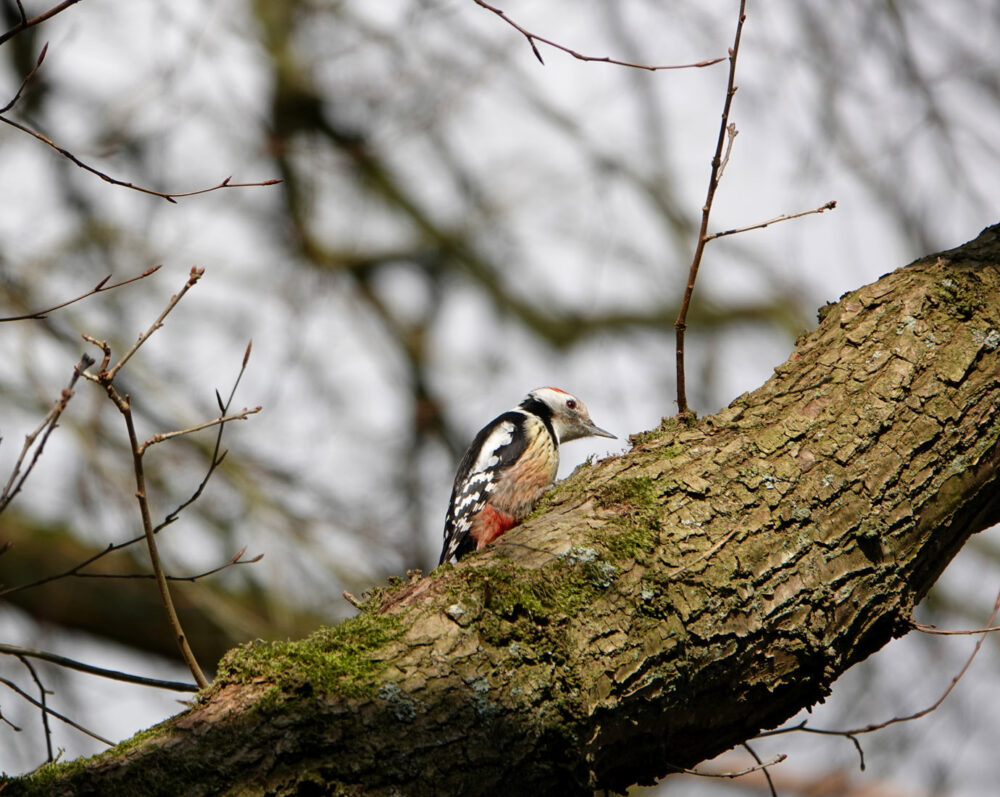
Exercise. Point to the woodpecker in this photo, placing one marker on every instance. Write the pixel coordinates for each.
(509, 465)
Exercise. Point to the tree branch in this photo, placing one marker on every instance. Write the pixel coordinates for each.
(783, 217)
(90, 669)
(101, 287)
(531, 38)
(169, 196)
(26, 23)
(45, 429)
(51, 712)
(566, 658)
(680, 325)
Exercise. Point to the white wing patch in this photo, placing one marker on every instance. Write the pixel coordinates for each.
(489, 454)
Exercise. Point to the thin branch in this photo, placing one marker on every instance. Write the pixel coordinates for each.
(105, 378)
(42, 692)
(8, 723)
(876, 726)
(217, 457)
(236, 560)
(534, 37)
(154, 554)
(680, 325)
(11, 685)
(26, 23)
(930, 629)
(730, 775)
(242, 415)
(731, 133)
(48, 425)
(74, 571)
(195, 275)
(28, 77)
(90, 669)
(767, 774)
(784, 217)
(101, 287)
(954, 682)
(169, 196)
(216, 460)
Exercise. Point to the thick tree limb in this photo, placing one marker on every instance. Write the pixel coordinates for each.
(666, 604)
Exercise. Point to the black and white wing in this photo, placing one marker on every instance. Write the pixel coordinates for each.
(496, 447)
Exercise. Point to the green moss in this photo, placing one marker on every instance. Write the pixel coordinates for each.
(641, 438)
(509, 591)
(634, 491)
(667, 429)
(139, 739)
(958, 297)
(634, 527)
(526, 611)
(41, 781)
(331, 660)
(671, 451)
(372, 600)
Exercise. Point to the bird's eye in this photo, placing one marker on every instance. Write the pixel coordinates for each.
(571, 403)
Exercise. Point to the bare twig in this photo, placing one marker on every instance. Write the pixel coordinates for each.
(731, 133)
(73, 571)
(154, 554)
(28, 77)
(217, 457)
(242, 415)
(115, 675)
(215, 461)
(680, 325)
(169, 196)
(105, 378)
(101, 287)
(48, 425)
(804, 727)
(26, 23)
(784, 217)
(730, 775)
(930, 629)
(14, 687)
(195, 275)
(763, 766)
(877, 726)
(8, 723)
(534, 37)
(42, 692)
(236, 560)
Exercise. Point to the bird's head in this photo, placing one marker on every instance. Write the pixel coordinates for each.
(567, 414)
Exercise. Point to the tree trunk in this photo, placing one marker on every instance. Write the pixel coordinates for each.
(663, 606)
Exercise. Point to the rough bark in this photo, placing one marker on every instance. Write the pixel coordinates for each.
(664, 604)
